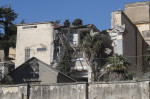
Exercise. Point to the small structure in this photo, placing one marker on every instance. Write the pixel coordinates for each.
(35, 70)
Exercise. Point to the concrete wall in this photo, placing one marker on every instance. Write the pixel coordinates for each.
(33, 38)
(101, 90)
(12, 54)
(138, 12)
(124, 90)
(1, 55)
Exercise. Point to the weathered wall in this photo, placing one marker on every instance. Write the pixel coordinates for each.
(12, 54)
(62, 91)
(33, 38)
(1, 55)
(53, 91)
(138, 12)
(102, 90)
(13, 92)
(124, 90)
(133, 42)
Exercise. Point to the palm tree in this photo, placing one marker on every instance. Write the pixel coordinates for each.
(93, 48)
(118, 67)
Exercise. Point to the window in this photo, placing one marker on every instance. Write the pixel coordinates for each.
(27, 54)
(41, 49)
(57, 53)
(79, 56)
(28, 27)
(74, 38)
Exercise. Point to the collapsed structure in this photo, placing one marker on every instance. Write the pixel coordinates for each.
(80, 64)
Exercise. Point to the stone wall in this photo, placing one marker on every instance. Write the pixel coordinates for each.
(121, 90)
(101, 90)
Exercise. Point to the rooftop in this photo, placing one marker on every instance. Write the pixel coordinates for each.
(137, 4)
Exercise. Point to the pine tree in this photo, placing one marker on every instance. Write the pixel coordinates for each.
(65, 63)
(77, 22)
(66, 23)
(7, 17)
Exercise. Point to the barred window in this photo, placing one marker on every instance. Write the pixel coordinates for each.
(27, 54)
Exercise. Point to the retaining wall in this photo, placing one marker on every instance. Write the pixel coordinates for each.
(100, 90)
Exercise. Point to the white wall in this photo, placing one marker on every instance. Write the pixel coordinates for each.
(33, 38)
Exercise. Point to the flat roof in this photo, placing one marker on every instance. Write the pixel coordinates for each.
(34, 23)
(134, 4)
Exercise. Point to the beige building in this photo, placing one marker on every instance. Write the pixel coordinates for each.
(35, 40)
(139, 14)
(12, 54)
(128, 40)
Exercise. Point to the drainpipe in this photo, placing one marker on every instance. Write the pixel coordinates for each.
(136, 48)
(87, 90)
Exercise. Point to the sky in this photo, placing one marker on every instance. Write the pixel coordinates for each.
(97, 12)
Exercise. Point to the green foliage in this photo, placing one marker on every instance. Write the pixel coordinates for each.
(93, 46)
(8, 39)
(94, 50)
(148, 54)
(6, 80)
(65, 63)
(117, 63)
(66, 23)
(77, 22)
(57, 21)
(23, 21)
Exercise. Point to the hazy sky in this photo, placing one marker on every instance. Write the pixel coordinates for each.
(97, 12)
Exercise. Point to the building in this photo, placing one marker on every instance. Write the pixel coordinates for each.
(128, 41)
(139, 14)
(44, 40)
(35, 40)
(80, 64)
(12, 54)
(37, 71)
(1, 55)
(5, 66)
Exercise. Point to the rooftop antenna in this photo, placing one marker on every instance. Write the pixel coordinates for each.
(9, 4)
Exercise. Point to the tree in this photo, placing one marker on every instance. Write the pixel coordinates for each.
(57, 21)
(7, 17)
(77, 22)
(6, 80)
(64, 64)
(116, 68)
(66, 23)
(148, 54)
(94, 50)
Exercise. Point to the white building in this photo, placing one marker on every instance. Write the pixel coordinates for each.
(35, 40)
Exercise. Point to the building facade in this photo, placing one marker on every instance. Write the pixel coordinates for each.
(34, 40)
(36, 71)
(128, 40)
(139, 14)
(80, 64)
